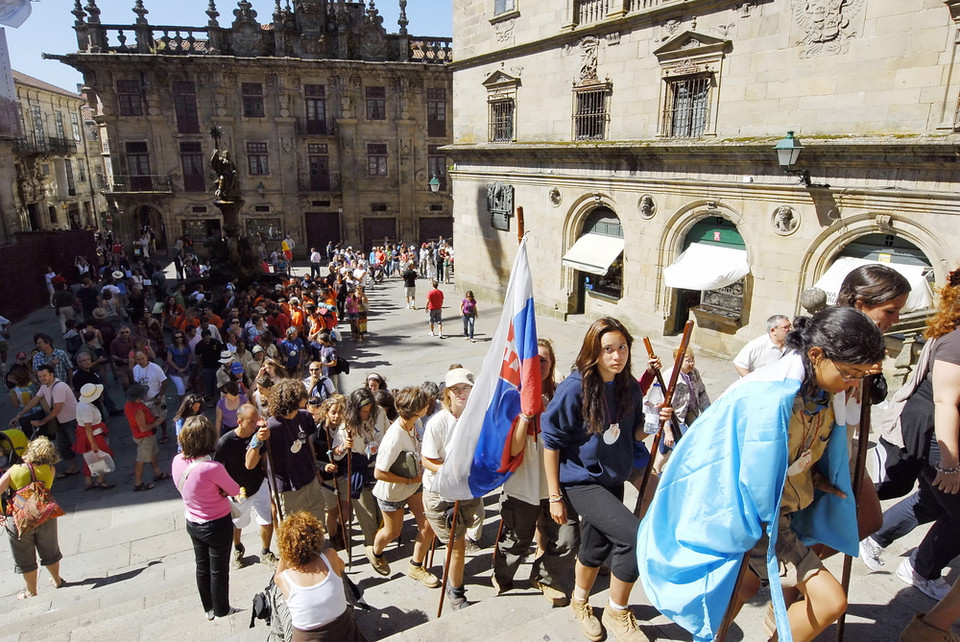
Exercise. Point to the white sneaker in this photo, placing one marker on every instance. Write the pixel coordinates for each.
(431, 333)
(937, 589)
(870, 553)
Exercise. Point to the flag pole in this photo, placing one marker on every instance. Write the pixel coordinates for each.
(667, 399)
(433, 547)
(863, 439)
(449, 555)
(730, 612)
(347, 543)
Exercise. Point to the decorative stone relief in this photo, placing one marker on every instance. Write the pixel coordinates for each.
(612, 38)
(746, 9)
(647, 207)
(504, 31)
(825, 27)
(589, 47)
(786, 220)
(885, 223)
(724, 30)
(556, 197)
(669, 29)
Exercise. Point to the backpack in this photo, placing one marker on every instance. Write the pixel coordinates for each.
(269, 605)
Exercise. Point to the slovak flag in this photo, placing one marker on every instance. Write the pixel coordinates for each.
(478, 455)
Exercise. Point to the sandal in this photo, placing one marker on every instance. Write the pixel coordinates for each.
(23, 595)
(140, 487)
(106, 486)
(66, 474)
(90, 486)
(161, 477)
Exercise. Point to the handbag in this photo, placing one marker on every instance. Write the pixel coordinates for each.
(343, 366)
(33, 505)
(406, 465)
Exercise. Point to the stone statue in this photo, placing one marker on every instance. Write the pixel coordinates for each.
(227, 176)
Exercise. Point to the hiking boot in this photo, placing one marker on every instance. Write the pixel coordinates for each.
(238, 557)
(870, 553)
(379, 564)
(920, 631)
(623, 625)
(937, 589)
(554, 595)
(472, 547)
(423, 576)
(589, 623)
(267, 557)
(458, 600)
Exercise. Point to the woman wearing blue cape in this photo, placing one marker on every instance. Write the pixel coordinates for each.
(765, 469)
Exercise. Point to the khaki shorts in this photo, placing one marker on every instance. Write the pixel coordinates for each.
(797, 562)
(158, 407)
(147, 449)
(435, 508)
(307, 499)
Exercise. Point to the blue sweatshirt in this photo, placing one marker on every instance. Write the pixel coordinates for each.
(587, 459)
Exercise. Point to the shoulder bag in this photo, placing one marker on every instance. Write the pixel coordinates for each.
(33, 505)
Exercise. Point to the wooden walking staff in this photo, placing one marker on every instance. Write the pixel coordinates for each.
(667, 399)
(273, 483)
(347, 543)
(446, 563)
(863, 439)
(336, 492)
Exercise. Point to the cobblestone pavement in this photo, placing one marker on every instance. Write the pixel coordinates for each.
(129, 562)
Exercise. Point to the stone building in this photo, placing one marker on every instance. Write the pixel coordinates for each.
(639, 135)
(333, 124)
(57, 162)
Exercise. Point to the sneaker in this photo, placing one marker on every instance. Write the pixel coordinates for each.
(554, 595)
(472, 547)
(623, 625)
(423, 576)
(431, 333)
(457, 602)
(267, 557)
(238, 557)
(937, 589)
(379, 564)
(920, 631)
(870, 553)
(589, 623)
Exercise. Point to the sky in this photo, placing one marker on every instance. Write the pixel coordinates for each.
(49, 29)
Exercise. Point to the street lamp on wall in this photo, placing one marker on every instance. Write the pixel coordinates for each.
(788, 152)
(261, 189)
(434, 184)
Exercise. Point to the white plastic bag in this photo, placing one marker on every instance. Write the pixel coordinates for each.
(99, 463)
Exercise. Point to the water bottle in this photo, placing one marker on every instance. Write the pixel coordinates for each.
(651, 418)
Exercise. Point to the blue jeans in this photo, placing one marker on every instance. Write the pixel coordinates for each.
(468, 323)
(211, 547)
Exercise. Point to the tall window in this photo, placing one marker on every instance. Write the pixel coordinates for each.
(252, 94)
(38, 136)
(502, 6)
(436, 111)
(437, 166)
(686, 105)
(376, 103)
(315, 98)
(82, 170)
(61, 132)
(319, 163)
(71, 181)
(75, 125)
(590, 113)
(501, 120)
(377, 159)
(128, 98)
(257, 159)
(185, 106)
(138, 166)
(191, 162)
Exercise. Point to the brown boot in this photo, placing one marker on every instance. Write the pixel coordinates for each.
(623, 625)
(920, 631)
(589, 623)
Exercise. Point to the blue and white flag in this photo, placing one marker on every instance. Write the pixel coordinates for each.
(478, 455)
(720, 492)
(14, 13)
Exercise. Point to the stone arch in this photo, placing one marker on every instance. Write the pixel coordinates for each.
(577, 214)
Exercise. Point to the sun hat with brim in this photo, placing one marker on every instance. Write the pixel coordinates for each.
(99, 313)
(90, 392)
(136, 392)
(458, 376)
(117, 274)
(257, 349)
(226, 356)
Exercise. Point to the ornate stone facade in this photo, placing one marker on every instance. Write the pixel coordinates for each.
(334, 123)
(677, 147)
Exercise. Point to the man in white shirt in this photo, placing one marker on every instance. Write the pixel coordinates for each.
(149, 374)
(765, 349)
(315, 258)
(60, 423)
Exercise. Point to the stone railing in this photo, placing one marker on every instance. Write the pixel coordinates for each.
(169, 40)
(148, 183)
(431, 50)
(590, 11)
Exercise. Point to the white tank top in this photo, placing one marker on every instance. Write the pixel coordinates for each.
(316, 605)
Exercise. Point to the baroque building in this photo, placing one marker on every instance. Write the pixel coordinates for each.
(639, 138)
(57, 161)
(334, 124)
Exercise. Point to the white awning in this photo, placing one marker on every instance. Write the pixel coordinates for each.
(593, 253)
(706, 267)
(920, 297)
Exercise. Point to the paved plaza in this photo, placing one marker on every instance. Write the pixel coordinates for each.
(129, 562)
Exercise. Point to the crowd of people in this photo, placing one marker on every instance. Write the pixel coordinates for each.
(264, 429)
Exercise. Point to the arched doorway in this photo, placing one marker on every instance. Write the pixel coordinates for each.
(597, 258)
(149, 215)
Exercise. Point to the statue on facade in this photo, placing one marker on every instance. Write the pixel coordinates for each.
(227, 176)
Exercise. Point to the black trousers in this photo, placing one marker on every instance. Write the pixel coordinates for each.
(607, 526)
(211, 547)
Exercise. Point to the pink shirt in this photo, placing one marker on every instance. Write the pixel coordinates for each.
(201, 490)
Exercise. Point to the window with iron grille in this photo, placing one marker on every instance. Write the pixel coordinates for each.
(185, 106)
(686, 106)
(377, 159)
(437, 166)
(128, 98)
(252, 94)
(590, 113)
(257, 159)
(191, 162)
(376, 103)
(436, 111)
(501, 120)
